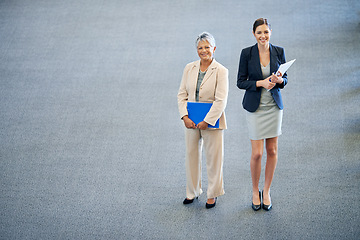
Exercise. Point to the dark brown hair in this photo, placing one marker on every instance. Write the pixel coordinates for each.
(261, 21)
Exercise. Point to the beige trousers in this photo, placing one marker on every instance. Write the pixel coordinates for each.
(212, 140)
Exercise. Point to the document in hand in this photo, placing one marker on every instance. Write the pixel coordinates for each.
(197, 112)
(284, 67)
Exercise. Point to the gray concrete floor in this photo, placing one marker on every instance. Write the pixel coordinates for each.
(91, 146)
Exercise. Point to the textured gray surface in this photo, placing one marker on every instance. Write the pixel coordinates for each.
(91, 146)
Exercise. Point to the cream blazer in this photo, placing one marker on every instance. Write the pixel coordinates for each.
(214, 88)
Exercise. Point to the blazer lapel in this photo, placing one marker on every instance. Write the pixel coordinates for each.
(195, 73)
(256, 62)
(273, 60)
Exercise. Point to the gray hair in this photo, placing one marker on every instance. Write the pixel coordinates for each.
(205, 36)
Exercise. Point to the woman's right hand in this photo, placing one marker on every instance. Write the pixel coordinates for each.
(188, 122)
(266, 83)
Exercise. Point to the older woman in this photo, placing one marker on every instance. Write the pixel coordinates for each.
(263, 103)
(204, 80)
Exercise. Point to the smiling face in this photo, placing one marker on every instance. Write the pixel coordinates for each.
(205, 51)
(262, 34)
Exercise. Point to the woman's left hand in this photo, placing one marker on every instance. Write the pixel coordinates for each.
(276, 79)
(202, 125)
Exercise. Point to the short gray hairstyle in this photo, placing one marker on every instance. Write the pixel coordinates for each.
(205, 36)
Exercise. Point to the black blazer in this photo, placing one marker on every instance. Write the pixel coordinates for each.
(250, 72)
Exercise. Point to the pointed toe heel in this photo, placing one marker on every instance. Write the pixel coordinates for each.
(264, 206)
(211, 205)
(257, 207)
(188, 201)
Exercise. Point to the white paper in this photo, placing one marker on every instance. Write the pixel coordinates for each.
(284, 67)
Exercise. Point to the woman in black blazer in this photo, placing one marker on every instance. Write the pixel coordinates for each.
(264, 105)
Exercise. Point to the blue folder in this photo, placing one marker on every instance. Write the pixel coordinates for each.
(197, 112)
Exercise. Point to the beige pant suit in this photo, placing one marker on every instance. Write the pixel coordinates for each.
(214, 88)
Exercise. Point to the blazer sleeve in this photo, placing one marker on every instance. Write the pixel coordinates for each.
(243, 74)
(221, 95)
(183, 94)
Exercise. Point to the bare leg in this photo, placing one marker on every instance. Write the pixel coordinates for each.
(257, 148)
(271, 161)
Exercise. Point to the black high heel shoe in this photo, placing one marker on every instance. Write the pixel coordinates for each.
(188, 201)
(208, 205)
(266, 207)
(257, 207)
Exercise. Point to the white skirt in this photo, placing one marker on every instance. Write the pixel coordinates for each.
(266, 121)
